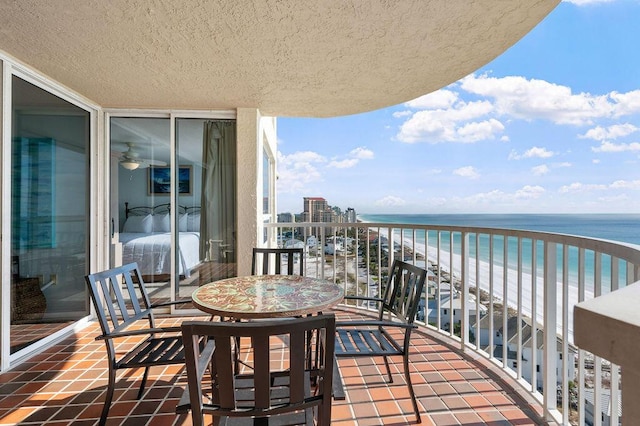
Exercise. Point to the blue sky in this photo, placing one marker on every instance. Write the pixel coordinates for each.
(550, 126)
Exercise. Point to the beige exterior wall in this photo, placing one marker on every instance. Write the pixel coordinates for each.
(255, 134)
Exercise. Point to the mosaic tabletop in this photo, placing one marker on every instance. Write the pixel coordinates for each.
(267, 296)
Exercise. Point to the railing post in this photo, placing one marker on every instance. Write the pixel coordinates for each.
(549, 352)
(464, 306)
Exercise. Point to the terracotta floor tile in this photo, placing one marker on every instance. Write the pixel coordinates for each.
(66, 385)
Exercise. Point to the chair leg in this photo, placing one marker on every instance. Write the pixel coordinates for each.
(386, 364)
(108, 397)
(144, 382)
(407, 375)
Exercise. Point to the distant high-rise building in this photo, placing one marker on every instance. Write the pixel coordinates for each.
(286, 217)
(314, 208)
(350, 215)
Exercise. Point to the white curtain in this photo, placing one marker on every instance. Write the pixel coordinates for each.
(218, 206)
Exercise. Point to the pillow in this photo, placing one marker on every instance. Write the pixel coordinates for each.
(161, 223)
(182, 222)
(193, 222)
(138, 224)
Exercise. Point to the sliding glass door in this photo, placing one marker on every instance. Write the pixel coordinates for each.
(198, 187)
(49, 214)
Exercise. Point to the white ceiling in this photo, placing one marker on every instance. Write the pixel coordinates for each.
(286, 57)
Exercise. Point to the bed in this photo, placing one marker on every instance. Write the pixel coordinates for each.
(146, 239)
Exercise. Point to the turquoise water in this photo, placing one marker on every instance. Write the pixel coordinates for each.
(616, 227)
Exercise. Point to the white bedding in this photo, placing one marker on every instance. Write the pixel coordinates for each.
(152, 251)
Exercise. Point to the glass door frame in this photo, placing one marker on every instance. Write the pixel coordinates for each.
(11, 69)
(173, 116)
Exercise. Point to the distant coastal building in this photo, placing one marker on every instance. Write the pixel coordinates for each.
(286, 218)
(317, 209)
(350, 215)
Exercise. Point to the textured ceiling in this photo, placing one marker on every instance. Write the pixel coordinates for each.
(286, 57)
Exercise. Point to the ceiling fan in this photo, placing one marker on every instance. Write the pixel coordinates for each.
(130, 158)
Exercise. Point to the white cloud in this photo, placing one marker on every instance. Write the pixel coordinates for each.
(540, 170)
(353, 158)
(440, 99)
(535, 152)
(390, 201)
(538, 99)
(612, 147)
(468, 172)
(400, 114)
(447, 116)
(617, 185)
(362, 153)
(497, 196)
(529, 192)
(297, 170)
(627, 103)
(478, 131)
(581, 187)
(612, 132)
(626, 184)
(343, 164)
(464, 122)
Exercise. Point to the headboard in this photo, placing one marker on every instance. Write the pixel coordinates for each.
(159, 209)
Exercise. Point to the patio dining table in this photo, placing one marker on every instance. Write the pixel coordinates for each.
(267, 296)
(270, 296)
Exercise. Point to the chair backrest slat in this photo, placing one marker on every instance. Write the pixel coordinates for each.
(262, 373)
(225, 379)
(264, 258)
(297, 360)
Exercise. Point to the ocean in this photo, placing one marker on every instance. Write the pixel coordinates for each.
(615, 227)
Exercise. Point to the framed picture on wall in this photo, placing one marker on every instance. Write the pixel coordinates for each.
(160, 180)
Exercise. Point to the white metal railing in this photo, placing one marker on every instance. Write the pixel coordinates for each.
(531, 335)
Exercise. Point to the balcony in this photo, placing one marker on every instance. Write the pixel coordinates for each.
(65, 385)
(475, 359)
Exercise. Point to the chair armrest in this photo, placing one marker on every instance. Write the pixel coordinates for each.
(175, 302)
(376, 323)
(140, 332)
(371, 299)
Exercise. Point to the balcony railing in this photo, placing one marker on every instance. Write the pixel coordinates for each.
(507, 295)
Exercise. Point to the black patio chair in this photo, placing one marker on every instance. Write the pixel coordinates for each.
(120, 317)
(271, 393)
(264, 257)
(397, 311)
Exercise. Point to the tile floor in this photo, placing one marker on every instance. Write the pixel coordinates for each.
(65, 386)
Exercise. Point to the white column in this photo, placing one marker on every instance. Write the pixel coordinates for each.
(248, 207)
